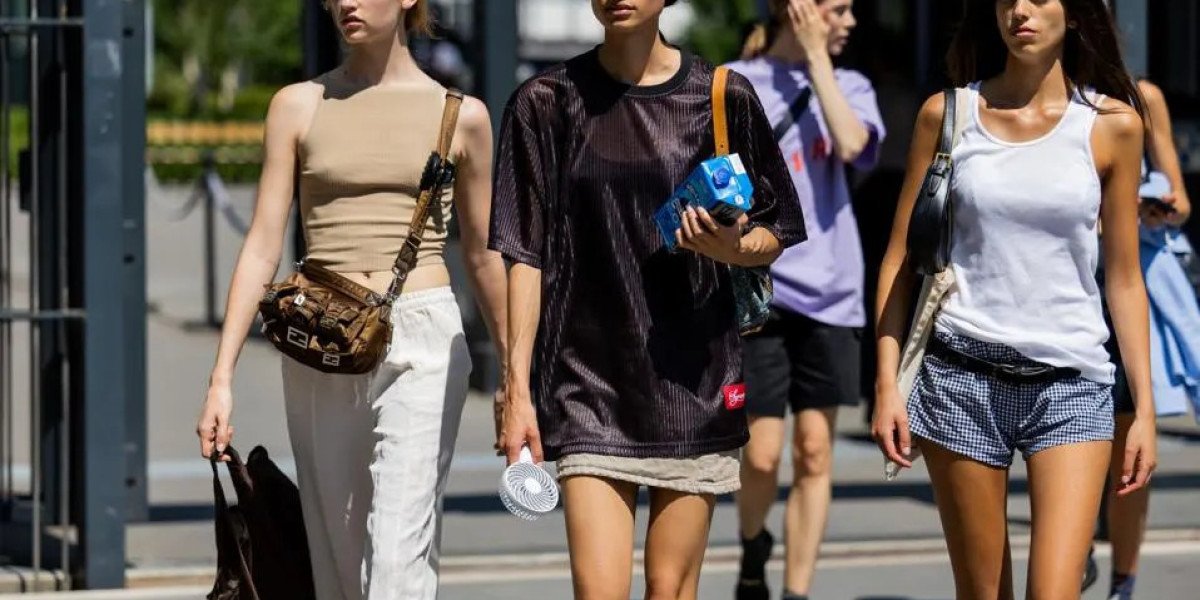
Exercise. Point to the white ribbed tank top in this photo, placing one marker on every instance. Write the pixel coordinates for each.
(1025, 246)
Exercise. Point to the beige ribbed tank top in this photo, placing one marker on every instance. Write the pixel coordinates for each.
(360, 172)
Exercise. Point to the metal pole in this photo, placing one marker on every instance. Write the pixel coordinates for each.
(134, 260)
(35, 387)
(102, 521)
(210, 243)
(6, 374)
(496, 47)
(1133, 20)
(924, 49)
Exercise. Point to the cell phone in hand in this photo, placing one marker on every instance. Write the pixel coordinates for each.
(1158, 204)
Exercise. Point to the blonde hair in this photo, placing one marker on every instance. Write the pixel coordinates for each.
(419, 19)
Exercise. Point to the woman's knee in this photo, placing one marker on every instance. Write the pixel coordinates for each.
(761, 459)
(666, 584)
(812, 456)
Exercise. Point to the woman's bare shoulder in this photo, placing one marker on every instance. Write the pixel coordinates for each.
(1119, 121)
(293, 106)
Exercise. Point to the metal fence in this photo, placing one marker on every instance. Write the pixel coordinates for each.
(72, 299)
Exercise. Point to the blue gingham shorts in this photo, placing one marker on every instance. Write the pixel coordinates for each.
(986, 419)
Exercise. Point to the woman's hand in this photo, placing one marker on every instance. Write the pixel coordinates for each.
(703, 235)
(1141, 455)
(809, 27)
(890, 426)
(1154, 215)
(518, 426)
(213, 428)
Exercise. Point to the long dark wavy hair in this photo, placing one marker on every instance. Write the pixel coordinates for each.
(1091, 53)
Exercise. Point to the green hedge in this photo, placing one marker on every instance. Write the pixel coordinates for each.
(187, 173)
(18, 135)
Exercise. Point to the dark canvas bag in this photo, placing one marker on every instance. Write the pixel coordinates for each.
(262, 547)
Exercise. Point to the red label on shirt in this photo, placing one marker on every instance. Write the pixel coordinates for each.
(735, 396)
(797, 162)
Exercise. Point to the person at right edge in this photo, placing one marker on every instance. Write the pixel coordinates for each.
(1051, 146)
(807, 356)
(1126, 515)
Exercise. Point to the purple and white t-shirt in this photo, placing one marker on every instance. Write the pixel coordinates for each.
(823, 277)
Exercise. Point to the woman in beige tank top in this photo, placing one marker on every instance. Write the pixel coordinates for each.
(372, 451)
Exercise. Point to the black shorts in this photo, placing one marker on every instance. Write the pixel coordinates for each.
(803, 363)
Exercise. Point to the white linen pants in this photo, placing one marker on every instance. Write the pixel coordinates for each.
(373, 453)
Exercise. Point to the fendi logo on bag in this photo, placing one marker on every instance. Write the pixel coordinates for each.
(296, 337)
(331, 360)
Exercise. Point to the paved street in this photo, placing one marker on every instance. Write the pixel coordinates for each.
(883, 537)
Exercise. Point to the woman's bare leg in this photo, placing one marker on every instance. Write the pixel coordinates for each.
(1126, 514)
(675, 543)
(760, 473)
(812, 491)
(600, 515)
(1065, 485)
(972, 501)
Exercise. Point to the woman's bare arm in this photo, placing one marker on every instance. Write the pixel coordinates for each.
(1163, 154)
(524, 311)
(896, 280)
(473, 200)
(1117, 140)
(287, 117)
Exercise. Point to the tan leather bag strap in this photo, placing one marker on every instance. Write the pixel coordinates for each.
(438, 172)
(720, 124)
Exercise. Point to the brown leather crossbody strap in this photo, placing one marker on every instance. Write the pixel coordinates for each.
(439, 172)
(720, 125)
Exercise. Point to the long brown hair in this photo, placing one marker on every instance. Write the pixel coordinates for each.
(1091, 53)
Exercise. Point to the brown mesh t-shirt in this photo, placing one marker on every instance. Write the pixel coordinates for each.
(635, 345)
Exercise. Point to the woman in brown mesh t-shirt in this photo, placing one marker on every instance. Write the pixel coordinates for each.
(625, 359)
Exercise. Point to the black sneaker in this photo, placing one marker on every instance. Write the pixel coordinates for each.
(752, 578)
(1091, 572)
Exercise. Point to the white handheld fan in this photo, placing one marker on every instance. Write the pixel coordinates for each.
(526, 489)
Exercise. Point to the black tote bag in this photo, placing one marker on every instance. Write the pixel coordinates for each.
(262, 548)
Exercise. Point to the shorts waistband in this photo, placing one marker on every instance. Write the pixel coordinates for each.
(989, 351)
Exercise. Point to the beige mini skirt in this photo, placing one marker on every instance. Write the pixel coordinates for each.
(717, 473)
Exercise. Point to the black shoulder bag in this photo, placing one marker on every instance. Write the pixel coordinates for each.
(931, 227)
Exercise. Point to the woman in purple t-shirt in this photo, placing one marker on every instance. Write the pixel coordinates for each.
(808, 354)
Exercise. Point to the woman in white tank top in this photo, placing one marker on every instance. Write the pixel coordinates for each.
(1050, 148)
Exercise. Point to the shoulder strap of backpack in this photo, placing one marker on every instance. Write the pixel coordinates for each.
(720, 123)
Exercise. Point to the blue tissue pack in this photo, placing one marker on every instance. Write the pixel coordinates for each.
(718, 185)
